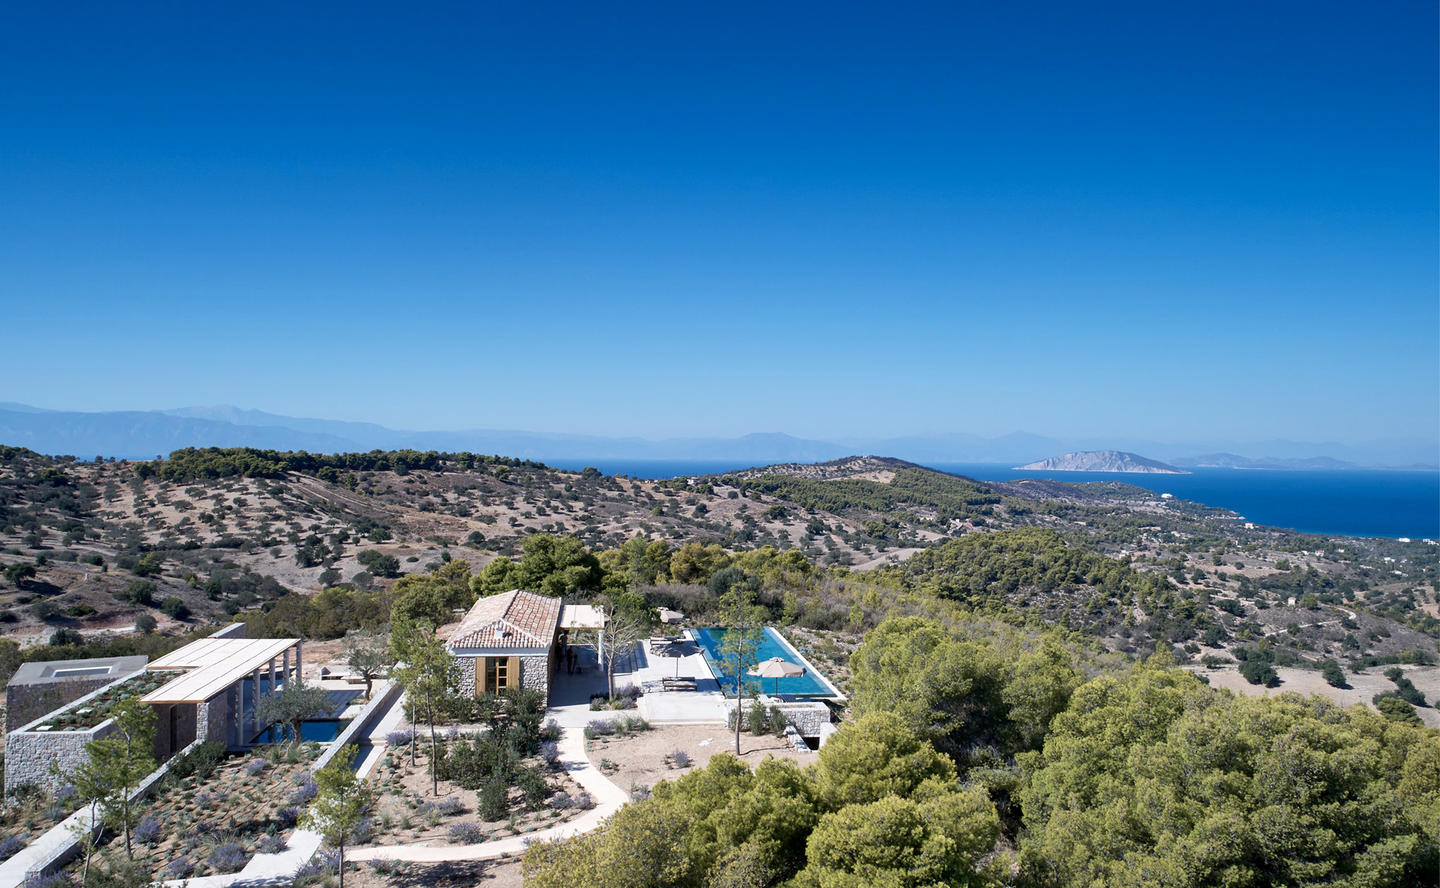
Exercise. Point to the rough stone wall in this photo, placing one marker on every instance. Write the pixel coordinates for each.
(535, 674)
(212, 719)
(806, 717)
(467, 675)
(25, 703)
(29, 754)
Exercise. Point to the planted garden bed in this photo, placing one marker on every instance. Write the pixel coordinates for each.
(95, 710)
(213, 813)
(483, 795)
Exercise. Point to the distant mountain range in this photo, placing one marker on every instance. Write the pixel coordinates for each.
(144, 434)
(1102, 461)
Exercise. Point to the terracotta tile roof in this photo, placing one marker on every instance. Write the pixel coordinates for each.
(515, 619)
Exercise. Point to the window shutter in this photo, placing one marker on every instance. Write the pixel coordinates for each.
(479, 675)
(512, 673)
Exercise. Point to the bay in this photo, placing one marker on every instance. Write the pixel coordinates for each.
(1346, 503)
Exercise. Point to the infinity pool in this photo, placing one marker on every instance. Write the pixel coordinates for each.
(320, 730)
(772, 644)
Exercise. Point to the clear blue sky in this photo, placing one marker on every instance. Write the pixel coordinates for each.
(1168, 220)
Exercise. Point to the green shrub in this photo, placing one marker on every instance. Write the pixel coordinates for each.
(756, 718)
(200, 761)
(777, 721)
(494, 801)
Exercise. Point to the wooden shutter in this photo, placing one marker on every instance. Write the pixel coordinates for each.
(512, 673)
(479, 675)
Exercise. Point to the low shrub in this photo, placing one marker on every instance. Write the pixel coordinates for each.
(399, 738)
(181, 867)
(778, 721)
(200, 762)
(324, 863)
(680, 759)
(466, 833)
(533, 787)
(11, 846)
(271, 844)
(227, 858)
(755, 718)
(147, 831)
(256, 766)
(304, 793)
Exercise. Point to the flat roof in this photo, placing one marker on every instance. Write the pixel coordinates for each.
(215, 664)
(52, 671)
(581, 616)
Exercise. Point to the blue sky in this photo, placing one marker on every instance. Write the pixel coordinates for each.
(1074, 219)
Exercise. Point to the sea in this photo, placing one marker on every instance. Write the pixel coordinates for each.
(1344, 503)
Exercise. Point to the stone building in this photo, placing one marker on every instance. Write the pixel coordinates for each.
(513, 640)
(39, 688)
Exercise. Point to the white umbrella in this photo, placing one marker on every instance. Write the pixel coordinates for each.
(777, 668)
(676, 649)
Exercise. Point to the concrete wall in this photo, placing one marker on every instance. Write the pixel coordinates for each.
(385, 696)
(234, 630)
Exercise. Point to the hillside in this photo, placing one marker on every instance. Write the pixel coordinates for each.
(92, 548)
(1102, 461)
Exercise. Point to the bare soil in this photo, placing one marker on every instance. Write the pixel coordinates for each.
(644, 759)
(406, 788)
(1363, 686)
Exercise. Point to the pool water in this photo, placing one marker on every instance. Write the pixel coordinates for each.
(771, 645)
(317, 730)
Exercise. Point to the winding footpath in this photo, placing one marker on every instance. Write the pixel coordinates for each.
(607, 797)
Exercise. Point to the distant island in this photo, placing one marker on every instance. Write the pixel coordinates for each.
(1102, 461)
(1234, 461)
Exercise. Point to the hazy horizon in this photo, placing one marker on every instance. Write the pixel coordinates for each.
(331, 435)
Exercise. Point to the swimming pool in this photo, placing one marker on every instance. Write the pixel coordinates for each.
(320, 730)
(772, 644)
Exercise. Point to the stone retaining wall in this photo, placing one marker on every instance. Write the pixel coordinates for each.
(29, 753)
(26, 703)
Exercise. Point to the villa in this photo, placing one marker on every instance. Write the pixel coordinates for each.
(516, 639)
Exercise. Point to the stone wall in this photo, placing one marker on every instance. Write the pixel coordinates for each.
(29, 755)
(467, 675)
(212, 719)
(806, 717)
(25, 703)
(534, 674)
